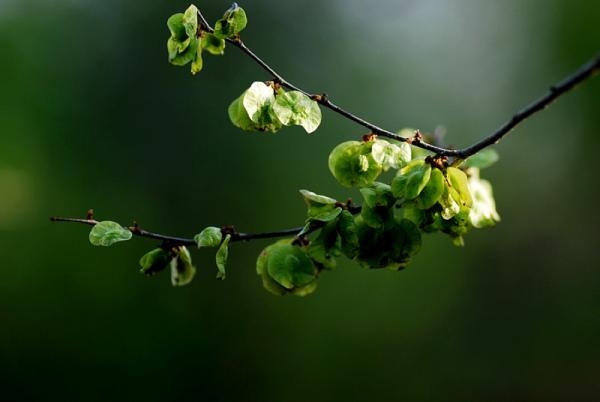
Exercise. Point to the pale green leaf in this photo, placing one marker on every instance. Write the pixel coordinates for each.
(390, 155)
(483, 211)
(221, 257)
(258, 97)
(197, 63)
(182, 270)
(209, 237)
(295, 108)
(190, 21)
(107, 233)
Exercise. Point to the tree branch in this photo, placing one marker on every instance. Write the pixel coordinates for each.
(585, 72)
(235, 236)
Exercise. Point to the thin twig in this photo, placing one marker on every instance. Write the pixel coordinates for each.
(585, 72)
(183, 240)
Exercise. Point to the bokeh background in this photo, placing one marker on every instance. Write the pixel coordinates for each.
(93, 116)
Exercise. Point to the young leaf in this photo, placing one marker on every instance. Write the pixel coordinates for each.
(182, 270)
(190, 21)
(107, 233)
(391, 155)
(176, 27)
(290, 266)
(313, 199)
(326, 247)
(432, 191)
(483, 212)
(295, 108)
(320, 207)
(197, 63)
(209, 237)
(482, 159)
(155, 261)
(233, 22)
(258, 97)
(212, 44)
(239, 117)
(411, 180)
(183, 57)
(459, 181)
(221, 257)
(352, 164)
(347, 230)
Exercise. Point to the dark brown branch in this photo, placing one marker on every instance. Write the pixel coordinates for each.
(586, 71)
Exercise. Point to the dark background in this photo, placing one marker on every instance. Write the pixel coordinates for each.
(92, 115)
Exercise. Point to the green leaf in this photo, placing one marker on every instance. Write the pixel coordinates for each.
(209, 237)
(482, 159)
(432, 191)
(212, 44)
(290, 266)
(176, 27)
(221, 257)
(459, 181)
(313, 199)
(320, 207)
(190, 21)
(233, 22)
(390, 247)
(449, 202)
(347, 230)
(183, 57)
(326, 247)
(352, 164)
(197, 63)
(391, 155)
(182, 270)
(411, 180)
(256, 98)
(295, 108)
(239, 117)
(377, 208)
(326, 215)
(107, 233)
(155, 261)
(483, 211)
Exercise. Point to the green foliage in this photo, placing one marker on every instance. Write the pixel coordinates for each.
(353, 165)
(295, 108)
(391, 156)
(188, 40)
(212, 44)
(426, 195)
(221, 257)
(209, 237)
(182, 270)
(233, 22)
(183, 45)
(107, 233)
(287, 268)
(155, 261)
(267, 107)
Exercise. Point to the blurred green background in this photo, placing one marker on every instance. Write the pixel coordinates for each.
(93, 116)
